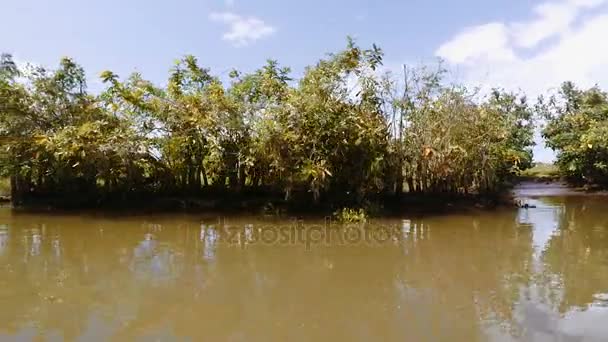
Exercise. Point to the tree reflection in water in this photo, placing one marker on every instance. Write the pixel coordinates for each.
(532, 274)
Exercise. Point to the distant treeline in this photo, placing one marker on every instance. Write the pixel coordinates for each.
(344, 130)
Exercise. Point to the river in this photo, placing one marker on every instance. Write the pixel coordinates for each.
(535, 274)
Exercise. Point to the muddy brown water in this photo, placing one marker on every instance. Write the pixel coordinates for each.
(536, 274)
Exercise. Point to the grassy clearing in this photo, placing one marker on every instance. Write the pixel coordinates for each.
(541, 171)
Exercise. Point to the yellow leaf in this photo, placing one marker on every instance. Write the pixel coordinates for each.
(589, 146)
(427, 151)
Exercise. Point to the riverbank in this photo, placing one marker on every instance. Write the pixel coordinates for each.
(536, 188)
(266, 203)
(545, 180)
(272, 204)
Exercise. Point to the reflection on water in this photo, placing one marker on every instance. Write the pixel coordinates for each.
(543, 218)
(537, 274)
(3, 238)
(564, 302)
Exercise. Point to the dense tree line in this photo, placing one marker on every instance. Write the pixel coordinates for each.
(344, 129)
(577, 129)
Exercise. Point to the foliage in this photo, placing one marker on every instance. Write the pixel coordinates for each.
(349, 215)
(577, 128)
(344, 132)
(5, 187)
(447, 142)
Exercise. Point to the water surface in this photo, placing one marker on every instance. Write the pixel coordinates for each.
(537, 274)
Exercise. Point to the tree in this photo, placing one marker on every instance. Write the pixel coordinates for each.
(343, 134)
(577, 127)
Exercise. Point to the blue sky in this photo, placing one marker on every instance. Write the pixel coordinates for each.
(514, 44)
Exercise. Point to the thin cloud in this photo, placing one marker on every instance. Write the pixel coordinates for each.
(242, 30)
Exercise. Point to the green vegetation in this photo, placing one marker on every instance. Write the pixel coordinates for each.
(541, 172)
(344, 134)
(349, 215)
(5, 187)
(577, 128)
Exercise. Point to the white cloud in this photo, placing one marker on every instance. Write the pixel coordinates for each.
(563, 40)
(552, 18)
(485, 42)
(510, 55)
(242, 30)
